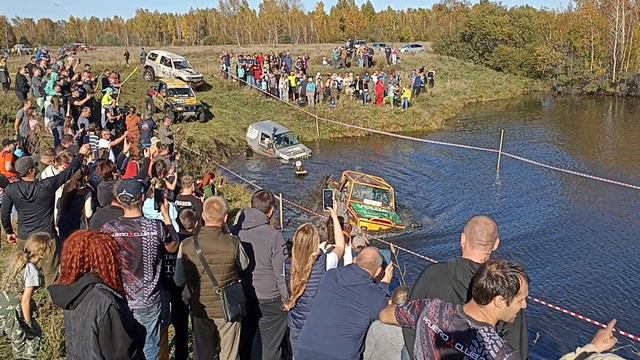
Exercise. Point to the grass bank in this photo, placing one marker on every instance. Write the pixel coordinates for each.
(457, 84)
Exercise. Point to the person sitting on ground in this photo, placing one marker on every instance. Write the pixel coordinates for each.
(596, 350)
(347, 302)
(304, 270)
(385, 342)
(17, 309)
(499, 292)
(97, 322)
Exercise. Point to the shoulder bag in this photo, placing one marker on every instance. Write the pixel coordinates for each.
(232, 296)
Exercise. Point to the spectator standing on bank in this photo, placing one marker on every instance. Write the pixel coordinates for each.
(212, 334)
(348, 301)
(33, 200)
(267, 291)
(127, 55)
(18, 311)
(97, 321)
(305, 269)
(385, 342)
(142, 242)
(499, 293)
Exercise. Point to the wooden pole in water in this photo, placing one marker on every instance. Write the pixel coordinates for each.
(317, 129)
(500, 151)
(281, 213)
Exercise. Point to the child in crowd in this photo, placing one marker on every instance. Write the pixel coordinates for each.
(18, 311)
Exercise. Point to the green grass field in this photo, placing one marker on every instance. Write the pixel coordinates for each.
(457, 84)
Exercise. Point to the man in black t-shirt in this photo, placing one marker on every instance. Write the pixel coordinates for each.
(187, 200)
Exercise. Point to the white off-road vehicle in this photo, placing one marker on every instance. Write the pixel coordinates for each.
(165, 64)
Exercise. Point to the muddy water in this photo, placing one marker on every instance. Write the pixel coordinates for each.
(578, 238)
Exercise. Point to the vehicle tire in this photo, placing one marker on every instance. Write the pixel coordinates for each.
(202, 117)
(148, 74)
(149, 104)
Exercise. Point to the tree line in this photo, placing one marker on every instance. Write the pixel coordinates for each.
(590, 47)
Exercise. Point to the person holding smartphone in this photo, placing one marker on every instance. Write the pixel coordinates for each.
(305, 269)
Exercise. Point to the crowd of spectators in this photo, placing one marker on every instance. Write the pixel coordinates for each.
(290, 78)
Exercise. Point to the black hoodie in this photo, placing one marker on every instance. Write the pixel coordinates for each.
(34, 202)
(451, 282)
(97, 322)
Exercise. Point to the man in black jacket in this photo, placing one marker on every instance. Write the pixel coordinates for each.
(33, 200)
(451, 281)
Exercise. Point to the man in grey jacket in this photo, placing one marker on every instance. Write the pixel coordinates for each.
(267, 290)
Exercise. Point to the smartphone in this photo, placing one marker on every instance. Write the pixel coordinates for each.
(327, 199)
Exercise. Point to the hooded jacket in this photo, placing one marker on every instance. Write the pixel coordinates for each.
(97, 322)
(451, 283)
(34, 202)
(267, 252)
(347, 302)
(50, 88)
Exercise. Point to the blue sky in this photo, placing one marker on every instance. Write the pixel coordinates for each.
(61, 9)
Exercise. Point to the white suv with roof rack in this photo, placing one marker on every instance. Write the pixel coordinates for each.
(165, 64)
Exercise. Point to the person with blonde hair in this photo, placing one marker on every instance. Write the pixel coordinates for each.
(18, 311)
(304, 270)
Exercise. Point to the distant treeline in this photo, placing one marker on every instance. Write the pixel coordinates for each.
(591, 47)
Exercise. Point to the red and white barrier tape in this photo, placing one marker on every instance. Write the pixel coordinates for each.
(582, 317)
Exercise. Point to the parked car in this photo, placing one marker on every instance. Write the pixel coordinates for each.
(165, 64)
(379, 46)
(76, 47)
(359, 43)
(274, 140)
(176, 99)
(22, 49)
(413, 48)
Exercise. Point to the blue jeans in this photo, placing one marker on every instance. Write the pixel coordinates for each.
(405, 103)
(365, 98)
(150, 318)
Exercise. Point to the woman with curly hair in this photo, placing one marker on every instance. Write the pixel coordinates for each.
(97, 322)
(304, 270)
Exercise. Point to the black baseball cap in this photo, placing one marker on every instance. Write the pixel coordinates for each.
(129, 191)
(24, 164)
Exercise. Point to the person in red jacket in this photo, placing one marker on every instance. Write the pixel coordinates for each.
(379, 92)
